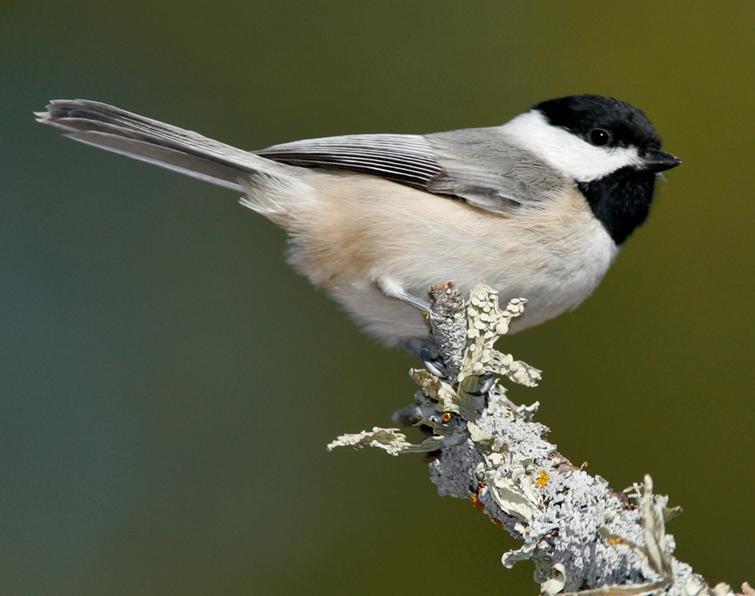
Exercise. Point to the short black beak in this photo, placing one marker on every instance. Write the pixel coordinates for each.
(656, 160)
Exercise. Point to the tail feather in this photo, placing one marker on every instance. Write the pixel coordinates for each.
(185, 151)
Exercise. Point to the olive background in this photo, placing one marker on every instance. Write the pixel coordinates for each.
(168, 384)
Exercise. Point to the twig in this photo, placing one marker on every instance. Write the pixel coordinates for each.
(582, 536)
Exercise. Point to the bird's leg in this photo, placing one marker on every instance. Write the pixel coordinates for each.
(392, 289)
(425, 348)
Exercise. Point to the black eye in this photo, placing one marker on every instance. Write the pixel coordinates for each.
(599, 136)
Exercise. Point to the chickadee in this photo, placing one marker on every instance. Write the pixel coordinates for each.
(537, 207)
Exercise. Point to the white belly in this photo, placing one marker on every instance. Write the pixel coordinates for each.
(554, 259)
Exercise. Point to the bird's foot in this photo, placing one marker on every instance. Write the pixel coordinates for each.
(425, 348)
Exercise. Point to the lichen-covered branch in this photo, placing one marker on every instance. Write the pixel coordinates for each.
(581, 536)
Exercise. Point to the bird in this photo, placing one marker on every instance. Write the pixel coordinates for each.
(537, 207)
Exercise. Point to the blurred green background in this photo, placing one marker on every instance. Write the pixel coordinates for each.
(169, 384)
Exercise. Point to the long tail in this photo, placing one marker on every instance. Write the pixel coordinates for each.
(155, 142)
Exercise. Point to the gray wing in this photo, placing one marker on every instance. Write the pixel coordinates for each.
(402, 158)
(477, 165)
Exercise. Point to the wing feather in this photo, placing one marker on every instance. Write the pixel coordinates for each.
(478, 165)
(403, 158)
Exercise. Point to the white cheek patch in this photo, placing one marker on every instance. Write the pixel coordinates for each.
(565, 151)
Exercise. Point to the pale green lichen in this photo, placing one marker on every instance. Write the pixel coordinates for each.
(552, 578)
(444, 395)
(486, 322)
(646, 589)
(390, 440)
(654, 512)
(575, 530)
(515, 494)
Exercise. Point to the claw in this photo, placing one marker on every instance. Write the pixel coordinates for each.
(426, 349)
(436, 367)
(484, 384)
